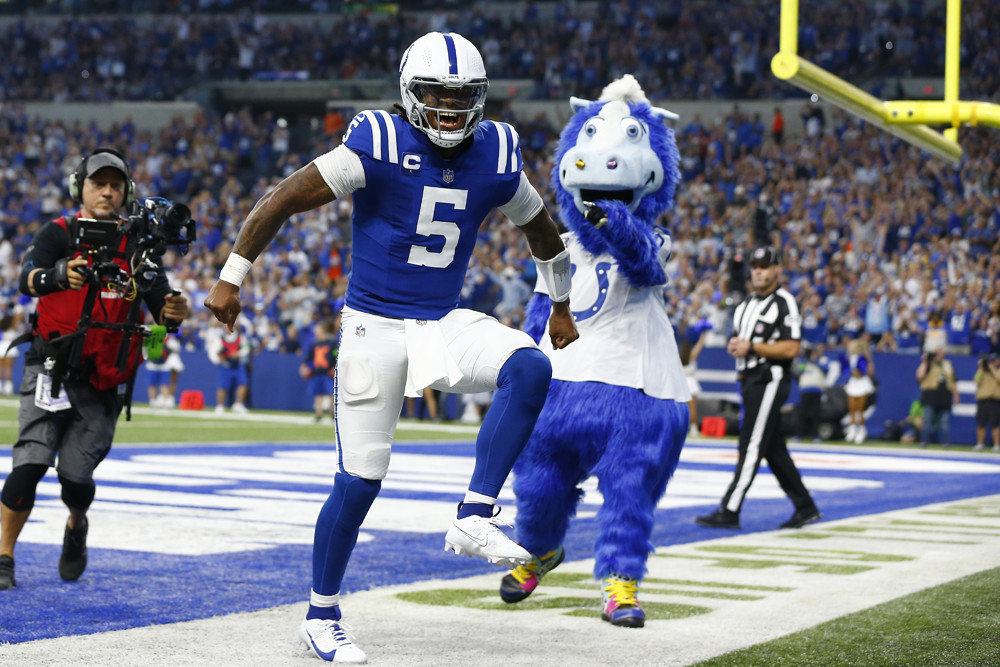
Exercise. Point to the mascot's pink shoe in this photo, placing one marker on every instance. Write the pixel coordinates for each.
(522, 580)
(620, 602)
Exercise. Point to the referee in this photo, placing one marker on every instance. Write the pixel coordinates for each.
(767, 335)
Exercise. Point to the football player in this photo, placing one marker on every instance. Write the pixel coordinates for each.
(422, 181)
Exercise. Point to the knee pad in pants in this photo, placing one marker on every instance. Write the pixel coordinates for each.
(19, 489)
(77, 496)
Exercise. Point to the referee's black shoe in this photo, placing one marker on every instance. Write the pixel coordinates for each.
(73, 560)
(803, 517)
(720, 518)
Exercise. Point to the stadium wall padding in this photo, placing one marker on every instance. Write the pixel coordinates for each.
(275, 385)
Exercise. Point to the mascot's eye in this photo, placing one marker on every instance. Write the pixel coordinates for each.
(632, 128)
(590, 129)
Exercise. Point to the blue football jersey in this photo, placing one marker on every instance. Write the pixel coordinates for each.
(416, 220)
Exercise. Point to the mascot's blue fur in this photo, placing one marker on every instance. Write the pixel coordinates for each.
(626, 438)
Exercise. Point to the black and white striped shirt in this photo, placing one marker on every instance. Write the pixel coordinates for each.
(767, 319)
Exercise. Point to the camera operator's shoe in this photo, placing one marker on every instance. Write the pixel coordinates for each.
(239, 408)
(73, 560)
(979, 447)
(620, 602)
(220, 409)
(720, 518)
(523, 579)
(803, 517)
(481, 536)
(7, 580)
(331, 640)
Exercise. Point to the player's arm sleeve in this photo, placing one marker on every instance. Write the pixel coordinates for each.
(50, 244)
(342, 170)
(524, 205)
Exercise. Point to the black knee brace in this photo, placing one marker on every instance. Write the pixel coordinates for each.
(77, 496)
(19, 489)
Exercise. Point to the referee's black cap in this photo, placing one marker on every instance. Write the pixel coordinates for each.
(765, 255)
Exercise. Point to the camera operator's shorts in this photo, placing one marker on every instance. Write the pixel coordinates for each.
(988, 413)
(382, 358)
(79, 437)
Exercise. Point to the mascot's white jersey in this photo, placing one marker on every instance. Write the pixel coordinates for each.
(626, 338)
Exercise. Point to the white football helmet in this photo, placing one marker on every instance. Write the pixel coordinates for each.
(442, 80)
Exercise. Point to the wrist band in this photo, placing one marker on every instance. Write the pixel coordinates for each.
(235, 270)
(557, 275)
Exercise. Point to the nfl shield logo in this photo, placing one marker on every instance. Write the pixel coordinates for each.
(448, 175)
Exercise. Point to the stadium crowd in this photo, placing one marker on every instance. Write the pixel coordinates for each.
(679, 50)
(878, 240)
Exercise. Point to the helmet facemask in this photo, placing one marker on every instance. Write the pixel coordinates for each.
(447, 113)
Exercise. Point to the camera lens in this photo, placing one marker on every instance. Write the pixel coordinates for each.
(176, 216)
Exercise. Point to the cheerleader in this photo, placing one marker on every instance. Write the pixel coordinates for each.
(859, 387)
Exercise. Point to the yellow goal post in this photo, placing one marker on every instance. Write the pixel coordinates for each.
(907, 119)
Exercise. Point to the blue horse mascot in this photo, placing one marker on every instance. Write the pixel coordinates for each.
(617, 406)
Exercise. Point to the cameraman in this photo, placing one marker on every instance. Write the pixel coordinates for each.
(987, 380)
(78, 423)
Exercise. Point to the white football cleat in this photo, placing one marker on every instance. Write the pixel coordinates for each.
(481, 536)
(331, 641)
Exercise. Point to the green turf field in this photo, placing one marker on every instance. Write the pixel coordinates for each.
(205, 426)
(957, 624)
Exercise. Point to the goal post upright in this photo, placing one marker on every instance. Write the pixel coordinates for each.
(907, 122)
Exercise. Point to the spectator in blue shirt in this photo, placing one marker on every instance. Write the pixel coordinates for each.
(959, 329)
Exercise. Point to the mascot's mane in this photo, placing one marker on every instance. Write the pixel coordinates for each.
(662, 141)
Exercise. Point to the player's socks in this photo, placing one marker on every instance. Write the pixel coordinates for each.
(337, 528)
(474, 509)
(523, 384)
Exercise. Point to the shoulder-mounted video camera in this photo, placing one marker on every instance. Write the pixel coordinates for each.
(150, 228)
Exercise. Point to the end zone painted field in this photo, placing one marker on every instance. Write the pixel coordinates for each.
(184, 538)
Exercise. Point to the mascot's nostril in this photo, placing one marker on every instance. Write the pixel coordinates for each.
(652, 178)
(612, 164)
(580, 164)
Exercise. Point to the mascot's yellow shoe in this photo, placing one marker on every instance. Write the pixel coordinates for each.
(620, 602)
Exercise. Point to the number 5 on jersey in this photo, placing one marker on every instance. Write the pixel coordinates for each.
(428, 226)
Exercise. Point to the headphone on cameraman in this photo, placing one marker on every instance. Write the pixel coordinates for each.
(77, 177)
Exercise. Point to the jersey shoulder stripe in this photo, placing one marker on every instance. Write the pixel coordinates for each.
(508, 149)
(373, 134)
